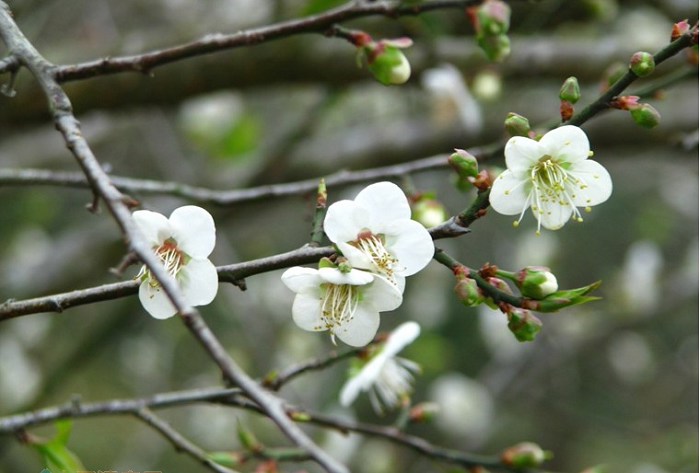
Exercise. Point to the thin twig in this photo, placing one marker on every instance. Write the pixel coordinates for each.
(604, 101)
(180, 443)
(145, 63)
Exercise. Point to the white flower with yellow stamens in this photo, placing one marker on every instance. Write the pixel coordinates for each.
(183, 243)
(344, 302)
(375, 232)
(552, 176)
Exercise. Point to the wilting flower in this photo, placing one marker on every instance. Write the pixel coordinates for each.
(182, 242)
(387, 377)
(552, 176)
(345, 302)
(375, 232)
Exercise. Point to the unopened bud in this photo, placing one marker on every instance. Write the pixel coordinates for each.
(464, 163)
(386, 61)
(525, 455)
(645, 115)
(524, 325)
(679, 29)
(570, 90)
(248, 440)
(642, 63)
(423, 412)
(536, 282)
(492, 18)
(517, 125)
(228, 459)
(468, 292)
(626, 102)
(428, 211)
(496, 47)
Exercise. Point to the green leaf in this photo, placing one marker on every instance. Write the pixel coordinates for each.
(55, 453)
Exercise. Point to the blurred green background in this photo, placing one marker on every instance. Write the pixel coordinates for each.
(611, 383)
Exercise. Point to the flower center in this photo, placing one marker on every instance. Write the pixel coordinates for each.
(338, 306)
(373, 246)
(172, 258)
(553, 185)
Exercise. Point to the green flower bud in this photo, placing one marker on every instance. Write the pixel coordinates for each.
(536, 282)
(524, 325)
(570, 90)
(496, 47)
(464, 164)
(229, 459)
(248, 440)
(386, 61)
(493, 18)
(645, 115)
(642, 63)
(517, 125)
(428, 211)
(525, 455)
(468, 292)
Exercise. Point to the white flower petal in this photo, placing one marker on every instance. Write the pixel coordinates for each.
(306, 312)
(155, 301)
(354, 278)
(382, 295)
(199, 281)
(344, 220)
(154, 226)
(361, 328)
(553, 216)
(598, 183)
(521, 153)
(303, 280)
(401, 336)
(567, 143)
(411, 244)
(356, 257)
(193, 229)
(385, 201)
(363, 380)
(509, 194)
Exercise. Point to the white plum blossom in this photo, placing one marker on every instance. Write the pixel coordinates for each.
(375, 232)
(552, 176)
(347, 303)
(183, 243)
(387, 377)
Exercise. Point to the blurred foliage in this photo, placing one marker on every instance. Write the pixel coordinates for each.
(614, 382)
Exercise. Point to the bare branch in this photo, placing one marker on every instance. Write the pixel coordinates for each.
(180, 443)
(146, 62)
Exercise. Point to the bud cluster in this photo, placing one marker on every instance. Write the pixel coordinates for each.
(539, 291)
(491, 21)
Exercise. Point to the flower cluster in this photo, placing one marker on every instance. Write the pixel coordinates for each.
(380, 247)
